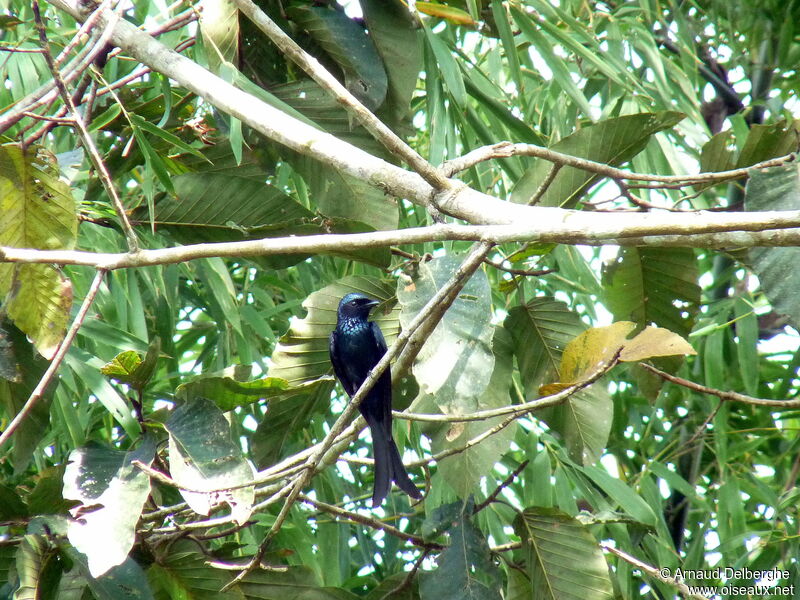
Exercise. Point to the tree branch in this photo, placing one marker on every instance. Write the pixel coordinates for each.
(703, 230)
(723, 395)
(457, 201)
(507, 150)
(341, 513)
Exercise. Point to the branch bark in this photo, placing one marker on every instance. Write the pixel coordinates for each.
(458, 200)
(702, 230)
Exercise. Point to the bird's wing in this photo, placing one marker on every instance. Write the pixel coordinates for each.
(380, 342)
(384, 384)
(338, 368)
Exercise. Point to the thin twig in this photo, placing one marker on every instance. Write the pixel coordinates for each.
(355, 517)
(54, 120)
(86, 138)
(551, 175)
(654, 572)
(49, 374)
(522, 272)
(513, 409)
(507, 149)
(47, 93)
(504, 484)
(522, 409)
(86, 27)
(721, 394)
(409, 576)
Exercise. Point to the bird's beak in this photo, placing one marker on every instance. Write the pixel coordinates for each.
(373, 303)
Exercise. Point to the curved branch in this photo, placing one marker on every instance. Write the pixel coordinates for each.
(508, 149)
(721, 394)
(702, 230)
(457, 201)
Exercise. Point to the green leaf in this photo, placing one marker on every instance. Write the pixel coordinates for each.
(294, 582)
(47, 497)
(622, 494)
(253, 210)
(27, 368)
(87, 369)
(37, 208)
(288, 415)
(123, 366)
(126, 581)
(563, 560)
(561, 74)
(7, 574)
(584, 420)
(777, 188)
(34, 556)
(36, 211)
(302, 354)
(464, 470)
(397, 41)
(659, 286)
(457, 355)
(153, 161)
(350, 47)
(443, 517)
(464, 570)
(11, 505)
(448, 66)
(228, 392)
(169, 138)
(507, 39)
(759, 143)
(718, 154)
(341, 196)
(183, 574)
(113, 491)
(127, 367)
(613, 142)
(768, 141)
(106, 117)
(541, 330)
(746, 328)
(203, 456)
(219, 24)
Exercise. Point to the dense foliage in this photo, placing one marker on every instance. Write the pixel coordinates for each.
(188, 444)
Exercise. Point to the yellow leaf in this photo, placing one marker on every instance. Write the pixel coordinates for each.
(549, 389)
(597, 347)
(454, 15)
(652, 342)
(589, 350)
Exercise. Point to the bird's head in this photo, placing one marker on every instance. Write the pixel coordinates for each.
(356, 306)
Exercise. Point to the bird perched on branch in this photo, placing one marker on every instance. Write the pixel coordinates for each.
(356, 346)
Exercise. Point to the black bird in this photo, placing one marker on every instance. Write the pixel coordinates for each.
(356, 346)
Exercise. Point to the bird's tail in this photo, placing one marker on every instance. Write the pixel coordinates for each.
(399, 473)
(389, 467)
